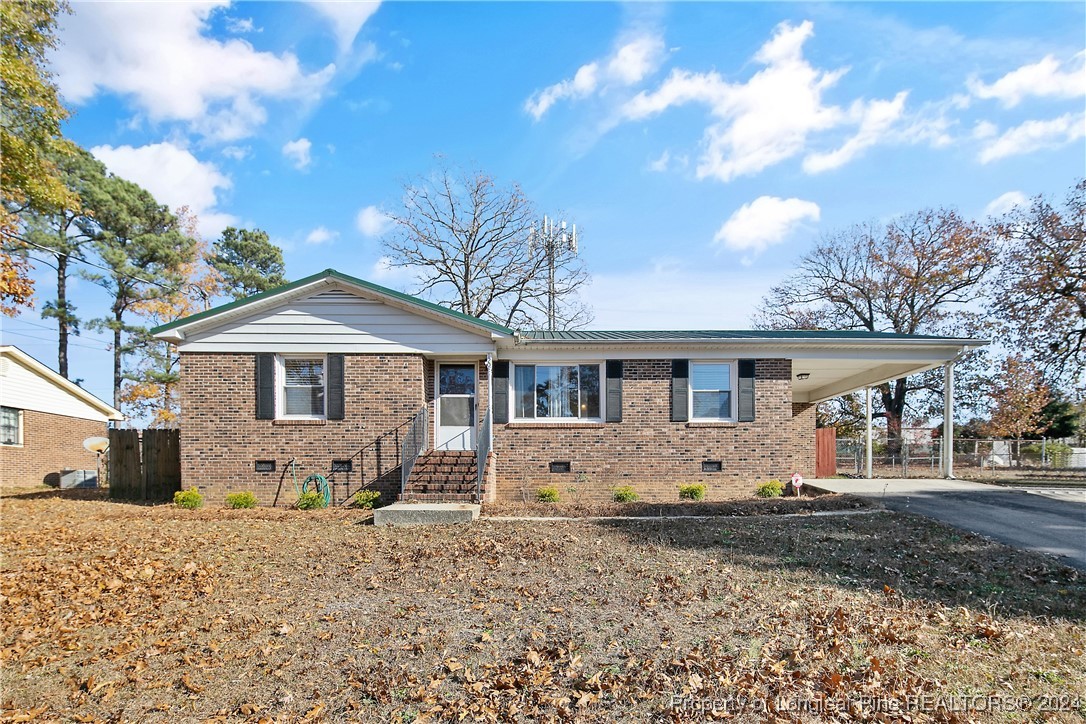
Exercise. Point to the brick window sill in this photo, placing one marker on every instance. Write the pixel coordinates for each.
(555, 425)
(299, 423)
(712, 424)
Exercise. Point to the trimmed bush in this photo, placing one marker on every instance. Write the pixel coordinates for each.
(624, 494)
(548, 494)
(310, 500)
(244, 499)
(770, 489)
(189, 499)
(694, 491)
(366, 499)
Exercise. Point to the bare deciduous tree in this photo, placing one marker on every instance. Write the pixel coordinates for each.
(466, 240)
(1042, 285)
(918, 274)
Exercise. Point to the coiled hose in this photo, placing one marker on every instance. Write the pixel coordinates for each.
(320, 485)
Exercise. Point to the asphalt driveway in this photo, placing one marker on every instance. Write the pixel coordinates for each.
(1034, 518)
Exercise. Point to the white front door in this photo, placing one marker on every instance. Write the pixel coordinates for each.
(456, 406)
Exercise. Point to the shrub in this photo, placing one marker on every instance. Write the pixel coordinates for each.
(244, 499)
(189, 499)
(366, 499)
(624, 494)
(1058, 454)
(548, 494)
(310, 500)
(770, 489)
(694, 491)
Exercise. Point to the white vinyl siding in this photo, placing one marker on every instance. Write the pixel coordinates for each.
(712, 391)
(338, 321)
(25, 389)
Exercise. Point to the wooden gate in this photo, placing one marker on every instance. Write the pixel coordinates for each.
(144, 466)
(825, 452)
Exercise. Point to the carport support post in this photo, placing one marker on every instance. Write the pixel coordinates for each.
(867, 439)
(948, 421)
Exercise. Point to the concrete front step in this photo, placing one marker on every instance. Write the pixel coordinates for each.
(402, 514)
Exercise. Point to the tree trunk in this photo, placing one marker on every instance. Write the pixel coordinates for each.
(117, 358)
(62, 315)
(893, 404)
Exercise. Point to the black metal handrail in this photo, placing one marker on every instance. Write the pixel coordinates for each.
(415, 441)
(482, 452)
(377, 446)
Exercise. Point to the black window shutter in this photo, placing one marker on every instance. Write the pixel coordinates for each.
(334, 390)
(265, 386)
(614, 390)
(680, 388)
(500, 392)
(746, 390)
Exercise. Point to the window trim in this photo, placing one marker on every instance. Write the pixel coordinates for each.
(732, 390)
(599, 363)
(18, 427)
(281, 383)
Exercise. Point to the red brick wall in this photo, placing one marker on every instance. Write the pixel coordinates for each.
(51, 443)
(221, 437)
(653, 454)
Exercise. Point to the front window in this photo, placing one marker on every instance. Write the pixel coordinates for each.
(711, 390)
(557, 391)
(10, 428)
(302, 387)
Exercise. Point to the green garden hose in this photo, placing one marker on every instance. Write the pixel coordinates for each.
(320, 485)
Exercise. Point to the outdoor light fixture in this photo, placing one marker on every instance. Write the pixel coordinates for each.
(803, 376)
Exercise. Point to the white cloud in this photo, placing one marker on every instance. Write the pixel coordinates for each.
(237, 153)
(298, 153)
(384, 272)
(770, 117)
(876, 119)
(321, 235)
(160, 58)
(660, 164)
(766, 221)
(1004, 203)
(628, 65)
(347, 18)
(174, 177)
(240, 26)
(1045, 78)
(372, 222)
(1035, 135)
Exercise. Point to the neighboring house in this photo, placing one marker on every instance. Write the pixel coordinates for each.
(353, 380)
(44, 420)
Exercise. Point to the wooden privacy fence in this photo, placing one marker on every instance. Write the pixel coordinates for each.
(144, 465)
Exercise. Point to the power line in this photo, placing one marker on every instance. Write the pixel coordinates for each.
(51, 329)
(53, 341)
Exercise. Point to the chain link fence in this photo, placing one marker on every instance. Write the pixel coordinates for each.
(918, 454)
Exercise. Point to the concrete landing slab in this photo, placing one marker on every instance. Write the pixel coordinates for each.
(400, 514)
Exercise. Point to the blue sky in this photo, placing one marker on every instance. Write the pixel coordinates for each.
(700, 147)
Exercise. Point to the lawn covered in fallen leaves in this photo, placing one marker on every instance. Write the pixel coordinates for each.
(118, 612)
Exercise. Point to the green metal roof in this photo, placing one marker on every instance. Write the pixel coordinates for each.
(703, 335)
(332, 274)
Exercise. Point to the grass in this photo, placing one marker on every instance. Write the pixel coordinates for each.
(137, 613)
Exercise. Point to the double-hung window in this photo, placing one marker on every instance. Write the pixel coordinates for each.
(11, 428)
(301, 387)
(557, 392)
(711, 391)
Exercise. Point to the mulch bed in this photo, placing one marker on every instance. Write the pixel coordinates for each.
(755, 506)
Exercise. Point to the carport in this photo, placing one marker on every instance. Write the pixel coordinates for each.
(840, 367)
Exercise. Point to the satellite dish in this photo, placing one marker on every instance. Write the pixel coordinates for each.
(96, 444)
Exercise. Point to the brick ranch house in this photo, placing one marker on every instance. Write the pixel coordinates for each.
(377, 389)
(44, 420)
